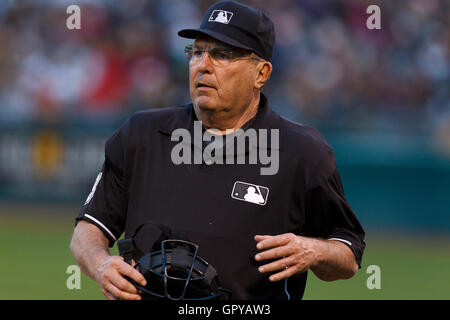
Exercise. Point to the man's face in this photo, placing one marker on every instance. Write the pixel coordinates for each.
(223, 88)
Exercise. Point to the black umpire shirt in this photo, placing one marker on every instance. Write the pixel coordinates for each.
(205, 202)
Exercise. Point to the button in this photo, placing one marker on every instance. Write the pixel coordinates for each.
(209, 162)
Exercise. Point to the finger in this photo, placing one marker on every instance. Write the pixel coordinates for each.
(126, 270)
(276, 265)
(108, 295)
(123, 284)
(273, 253)
(117, 293)
(289, 272)
(259, 238)
(275, 241)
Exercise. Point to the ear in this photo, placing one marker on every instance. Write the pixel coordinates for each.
(264, 70)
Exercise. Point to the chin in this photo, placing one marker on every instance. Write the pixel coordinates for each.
(206, 103)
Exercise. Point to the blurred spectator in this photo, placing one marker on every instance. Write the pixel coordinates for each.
(328, 67)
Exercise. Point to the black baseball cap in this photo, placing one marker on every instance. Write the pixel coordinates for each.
(238, 25)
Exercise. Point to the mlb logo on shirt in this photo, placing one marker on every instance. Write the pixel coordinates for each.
(221, 16)
(250, 193)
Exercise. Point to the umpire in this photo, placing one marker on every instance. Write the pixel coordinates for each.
(262, 232)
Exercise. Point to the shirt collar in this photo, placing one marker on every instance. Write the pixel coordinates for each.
(185, 117)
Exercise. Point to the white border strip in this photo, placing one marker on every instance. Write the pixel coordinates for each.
(341, 240)
(101, 224)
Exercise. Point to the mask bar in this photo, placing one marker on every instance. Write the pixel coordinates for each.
(191, 268)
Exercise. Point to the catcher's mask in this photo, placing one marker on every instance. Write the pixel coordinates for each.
(175, 271)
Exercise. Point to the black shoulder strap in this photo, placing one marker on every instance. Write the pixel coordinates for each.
(126, 246)
(126, 249)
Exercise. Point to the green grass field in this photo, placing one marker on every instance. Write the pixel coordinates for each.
(35, 255)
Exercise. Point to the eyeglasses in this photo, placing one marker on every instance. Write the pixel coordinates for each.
(219, 55)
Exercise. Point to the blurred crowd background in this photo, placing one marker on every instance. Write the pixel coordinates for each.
(328, 65)
(381, 97)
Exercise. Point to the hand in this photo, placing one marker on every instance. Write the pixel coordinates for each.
(114, 286)
(296, 253)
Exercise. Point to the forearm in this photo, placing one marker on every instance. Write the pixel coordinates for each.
(90, 248)
(334, 261)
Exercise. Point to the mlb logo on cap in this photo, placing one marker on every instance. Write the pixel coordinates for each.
(221, 16)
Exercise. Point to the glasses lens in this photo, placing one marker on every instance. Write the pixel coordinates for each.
(219, 55)
(188, 52)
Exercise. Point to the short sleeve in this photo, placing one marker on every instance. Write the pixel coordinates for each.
(105, 205)
(328, 214)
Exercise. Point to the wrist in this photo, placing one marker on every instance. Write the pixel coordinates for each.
(99, 267)
(320, 249)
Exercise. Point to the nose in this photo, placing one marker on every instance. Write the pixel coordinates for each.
(205, 63)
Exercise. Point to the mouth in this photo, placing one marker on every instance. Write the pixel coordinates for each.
(203, 85)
